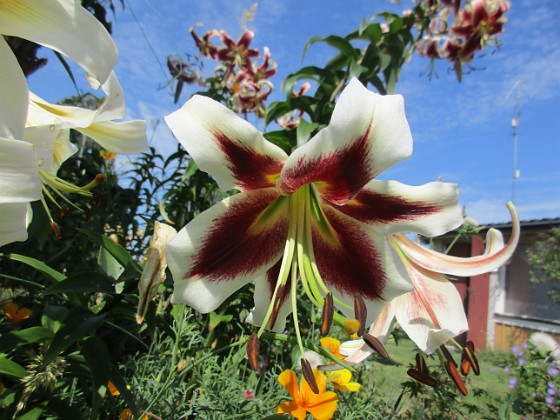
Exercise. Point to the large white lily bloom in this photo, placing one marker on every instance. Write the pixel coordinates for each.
(433, 312)
(32, 131)
(318, 215)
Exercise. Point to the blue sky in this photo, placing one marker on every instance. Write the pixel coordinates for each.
(462, 132)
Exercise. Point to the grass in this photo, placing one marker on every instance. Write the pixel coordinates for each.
(388, 376)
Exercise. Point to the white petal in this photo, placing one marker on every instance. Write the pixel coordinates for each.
(368, 133)
(227, 147)
(13, 99)
(13, 223)
(19, 178)
(125, 137)
(51, 145)
(64, 26)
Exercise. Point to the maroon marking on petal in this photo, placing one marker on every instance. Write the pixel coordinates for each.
(234, 246)
(349, 262)
(340, 174)
(372, 207)
(251, 169)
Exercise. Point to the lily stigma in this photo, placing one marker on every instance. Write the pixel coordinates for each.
(318, 217)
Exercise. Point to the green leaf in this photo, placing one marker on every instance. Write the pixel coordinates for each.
(33, 414)
(304, 131)
(15, 339)
(53, 317)
(87, 282)
(117, 251)
(77, 325)
(217, 319)
(11, 369)
(99, 361)
(341, 44)
(278, 417)
(286, 140)
(109, 264)
(275, 110)
(51, 273)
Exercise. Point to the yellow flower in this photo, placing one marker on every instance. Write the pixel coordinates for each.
(352, 326)
(107, 155)
(341, 380)
(14, 313)
(332, 345)
(321, 406)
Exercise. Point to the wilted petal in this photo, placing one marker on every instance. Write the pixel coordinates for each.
(494, 256)
(433, 313)
(227, 147)
(389, 206)
(227, 246)
(13, 223)
(64, 26)
(367, 134)
(354, 259)
(19, 179)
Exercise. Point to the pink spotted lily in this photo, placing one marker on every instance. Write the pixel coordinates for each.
(318, 215)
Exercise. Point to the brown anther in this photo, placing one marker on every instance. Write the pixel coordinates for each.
(309, 376)
(455, 377)
(328, 314)
(99, 178)
(56, 230)
(447, 355)
(63, 211)
(421, 377)
(376, 345)
(469, 360)
(253, 347)
(421, 364)
(361, 313)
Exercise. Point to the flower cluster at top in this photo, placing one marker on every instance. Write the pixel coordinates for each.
(456, 34)
(246, 81)
(34, 134)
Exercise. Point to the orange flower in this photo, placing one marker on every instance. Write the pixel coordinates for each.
(14, 313)
(321, 406)
(127, 414)
(332, 345)
(112, 389)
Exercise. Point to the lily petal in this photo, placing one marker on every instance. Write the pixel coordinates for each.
(124, 137)
(51, 145)
(264, 289)
(368, 133)
(389, 206)
(433, 313)
(64, 26)
(494, 256)
(13, 101)
(227, 147)
(13, 223)
(227, 246)
(355, 260)
(19, 179)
